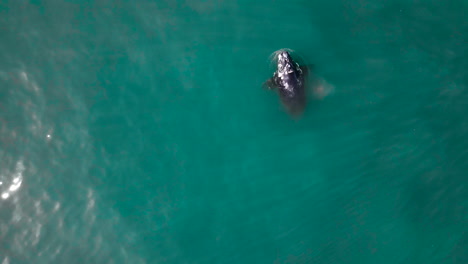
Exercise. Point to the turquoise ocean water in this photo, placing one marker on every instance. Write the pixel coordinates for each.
(138, 132)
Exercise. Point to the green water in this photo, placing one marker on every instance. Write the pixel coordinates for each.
(138, 132)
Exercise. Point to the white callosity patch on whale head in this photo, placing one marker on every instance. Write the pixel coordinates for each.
(284, 65)
(285, 69)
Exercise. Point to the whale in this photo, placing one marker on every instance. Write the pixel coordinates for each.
(289, 80)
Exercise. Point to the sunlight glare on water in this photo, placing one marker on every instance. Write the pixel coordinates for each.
(17, 178)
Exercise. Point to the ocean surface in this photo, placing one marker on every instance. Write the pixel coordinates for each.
(138, 132)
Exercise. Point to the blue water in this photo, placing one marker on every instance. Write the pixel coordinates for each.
(138, 132)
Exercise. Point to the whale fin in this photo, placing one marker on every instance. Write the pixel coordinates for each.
(307, 68)
(269, 84)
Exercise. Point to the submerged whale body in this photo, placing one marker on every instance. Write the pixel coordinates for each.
(289, 79)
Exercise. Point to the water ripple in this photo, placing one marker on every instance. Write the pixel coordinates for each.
(49, 211)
